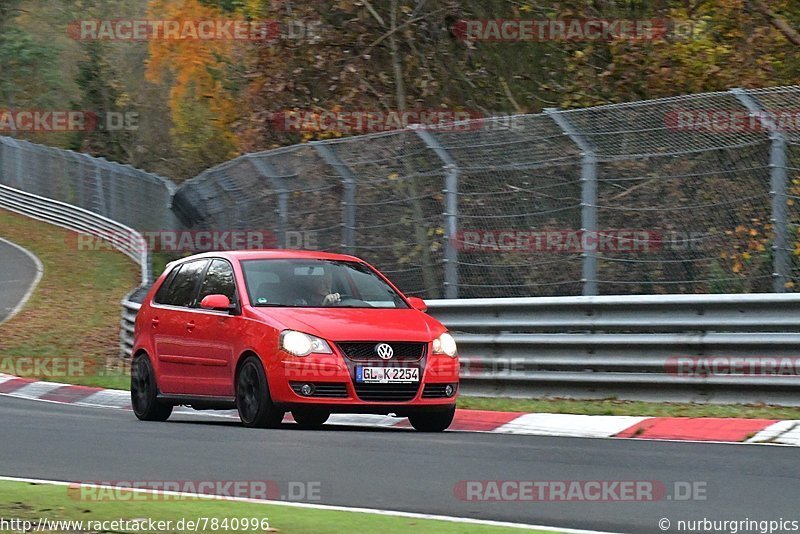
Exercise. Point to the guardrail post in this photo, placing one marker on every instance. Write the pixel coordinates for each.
(349, 195)
(781, 260)
(450, 213)
(588, 197)
(268, 171)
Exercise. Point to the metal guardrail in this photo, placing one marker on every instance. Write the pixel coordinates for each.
(637, 347)
(125, 239)
(617, 347)
(129, 311)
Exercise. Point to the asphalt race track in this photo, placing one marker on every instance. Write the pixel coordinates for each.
(17, 272)
(399, 470)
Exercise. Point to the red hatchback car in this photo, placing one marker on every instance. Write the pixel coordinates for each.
(274, 331)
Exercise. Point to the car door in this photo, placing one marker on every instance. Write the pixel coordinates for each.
(210, 370)
(173, 324)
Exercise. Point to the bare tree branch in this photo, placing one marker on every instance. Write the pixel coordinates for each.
(510, 96)
(781, 25)
(395, 29)
(400, 90)
(374, 13)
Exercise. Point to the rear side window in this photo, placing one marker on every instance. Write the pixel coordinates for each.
(183, 288)
(161, 294)
(219, 281)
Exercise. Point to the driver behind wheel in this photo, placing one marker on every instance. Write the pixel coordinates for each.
(322, 289)
(316, 290)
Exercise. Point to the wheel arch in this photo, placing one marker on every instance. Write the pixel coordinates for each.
(248, 353)
(142, 351)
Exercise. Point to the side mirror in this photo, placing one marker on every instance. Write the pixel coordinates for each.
(418, 304)
(216, 302)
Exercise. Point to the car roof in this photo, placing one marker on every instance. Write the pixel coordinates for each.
(272, 254)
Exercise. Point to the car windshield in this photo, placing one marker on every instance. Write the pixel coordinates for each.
(316, 284)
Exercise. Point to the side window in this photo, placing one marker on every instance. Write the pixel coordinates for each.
(219, 281)
(183, 288)
(161, 294)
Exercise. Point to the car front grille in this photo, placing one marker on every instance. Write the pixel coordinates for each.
(386, 392)
(330, 390)
(360, 351)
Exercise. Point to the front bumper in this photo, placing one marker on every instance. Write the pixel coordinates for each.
(332, 378)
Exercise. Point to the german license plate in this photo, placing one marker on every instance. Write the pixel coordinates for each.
(387, 375)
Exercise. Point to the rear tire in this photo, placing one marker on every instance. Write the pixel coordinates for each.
(253, 401)
(308, 420)
(144, 392)
(432, 421)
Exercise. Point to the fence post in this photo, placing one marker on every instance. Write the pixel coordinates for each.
(450, 213)
(12, 148)
(349, 194)
(3, 160)
(99, 194)
(78, 180)
(268, 171)
(781, 260)
(588, 197)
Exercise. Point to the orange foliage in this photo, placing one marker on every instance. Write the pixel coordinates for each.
(202, 104)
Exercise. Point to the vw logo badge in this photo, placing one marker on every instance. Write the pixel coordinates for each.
(384, 350)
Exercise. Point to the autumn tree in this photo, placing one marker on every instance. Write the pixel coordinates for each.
(201, 76)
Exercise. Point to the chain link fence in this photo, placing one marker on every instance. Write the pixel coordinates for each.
(692, 194)
(133, 197)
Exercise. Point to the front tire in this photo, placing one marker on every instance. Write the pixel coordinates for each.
(253, 401)
(308, 420)
(144, 392)
(432, 421)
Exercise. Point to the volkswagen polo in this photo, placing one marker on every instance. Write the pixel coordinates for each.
(270, 332)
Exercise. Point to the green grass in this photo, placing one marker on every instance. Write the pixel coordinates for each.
(75, 311)
(620, 407)
(21, 500)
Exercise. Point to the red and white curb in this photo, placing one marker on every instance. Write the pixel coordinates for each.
(540, 424)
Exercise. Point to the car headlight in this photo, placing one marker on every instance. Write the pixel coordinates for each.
(300, 344)
(445, 344)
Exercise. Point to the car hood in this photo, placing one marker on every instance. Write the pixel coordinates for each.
(357, 324)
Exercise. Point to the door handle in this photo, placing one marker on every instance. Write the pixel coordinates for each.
(190, 326)
(155, 322)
